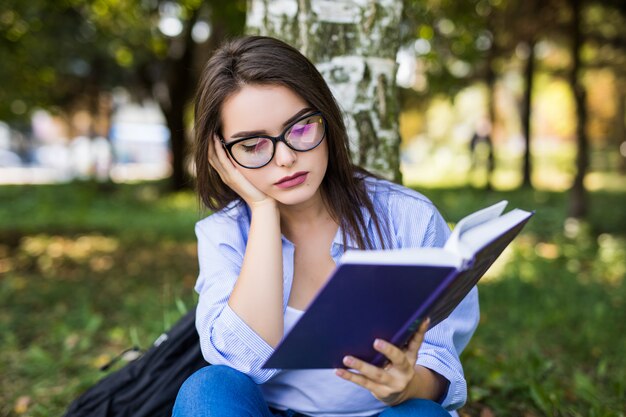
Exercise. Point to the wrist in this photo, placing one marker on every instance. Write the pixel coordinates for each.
(267, 204)
(427, 384)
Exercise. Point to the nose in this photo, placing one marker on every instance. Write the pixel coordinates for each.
(284, 156)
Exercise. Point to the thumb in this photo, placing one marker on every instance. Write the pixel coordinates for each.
(416, 341)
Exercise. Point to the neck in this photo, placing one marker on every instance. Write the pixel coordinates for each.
(303, 216)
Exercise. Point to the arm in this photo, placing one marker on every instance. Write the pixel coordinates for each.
(240, 309)
(258, 293)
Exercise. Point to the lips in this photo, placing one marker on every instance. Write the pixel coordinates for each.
(292, 180)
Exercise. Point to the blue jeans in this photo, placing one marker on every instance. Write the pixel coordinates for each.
(220, 391)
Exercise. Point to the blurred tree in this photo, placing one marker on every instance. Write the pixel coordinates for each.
(620, 127)
(458, 43)
(521, 24)
(605, 37)
(455, 45)
(164, 44)
(451, 39)
(50, 56)
(601, 22)
(65, 54)
(354, 45)
(578, 203)
(465, 42)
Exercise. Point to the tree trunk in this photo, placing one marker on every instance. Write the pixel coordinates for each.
(578, 199)
(529, 72)
(620, 129)
(490, 80)
(354, 45)
(179, 82)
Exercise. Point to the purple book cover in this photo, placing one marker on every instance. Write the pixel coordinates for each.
(354, 308)
(364, 301)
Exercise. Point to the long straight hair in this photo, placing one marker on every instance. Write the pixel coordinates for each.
(260, 60)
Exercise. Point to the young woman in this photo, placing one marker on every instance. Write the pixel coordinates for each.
(272, 161)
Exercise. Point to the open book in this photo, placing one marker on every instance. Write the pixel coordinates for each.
(387, 293)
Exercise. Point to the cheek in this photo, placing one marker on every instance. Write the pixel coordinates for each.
(323, 157)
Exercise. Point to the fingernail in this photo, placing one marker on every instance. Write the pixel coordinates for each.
(379, 344)
(347, 360)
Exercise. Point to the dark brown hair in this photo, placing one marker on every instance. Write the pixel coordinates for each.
(259, 60)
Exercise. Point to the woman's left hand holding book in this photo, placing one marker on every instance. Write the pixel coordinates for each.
(400, 379)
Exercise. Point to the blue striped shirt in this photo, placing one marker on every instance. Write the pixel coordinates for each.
(412, 221)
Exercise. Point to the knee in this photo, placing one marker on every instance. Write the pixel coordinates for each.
(218, 380)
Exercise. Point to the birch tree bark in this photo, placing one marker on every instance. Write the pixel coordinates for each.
(353, 43)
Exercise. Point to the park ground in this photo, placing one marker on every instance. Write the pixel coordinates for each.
(88, 270)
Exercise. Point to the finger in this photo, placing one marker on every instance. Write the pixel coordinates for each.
(212, 152)
(370, 371)
(416, 341)
(219, 153)
(360, 380)
(221, 162)
(395, 355)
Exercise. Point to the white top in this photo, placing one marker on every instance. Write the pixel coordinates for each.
(303, 390)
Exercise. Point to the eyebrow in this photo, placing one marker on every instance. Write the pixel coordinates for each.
(245, 134)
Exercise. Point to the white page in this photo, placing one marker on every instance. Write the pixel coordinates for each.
(477, 237)
(454, 243)
(408, 256)
(471, 234)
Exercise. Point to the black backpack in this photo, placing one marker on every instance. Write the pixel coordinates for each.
(147, 386)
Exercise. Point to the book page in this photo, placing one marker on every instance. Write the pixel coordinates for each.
(478, 237)
(455, 244)
(406, 256)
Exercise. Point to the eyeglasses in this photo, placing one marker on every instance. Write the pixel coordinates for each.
(303, 135)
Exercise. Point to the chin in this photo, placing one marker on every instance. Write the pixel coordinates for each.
(293, 200)
(296, 196)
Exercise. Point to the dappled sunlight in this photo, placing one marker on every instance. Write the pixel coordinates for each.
(587, 260)
(51, 253)
(101, 295)
(547, 250)
(610, 267)
(60, 246)
(74, 258)
(494, 273)
(609, 181)
(180, 201)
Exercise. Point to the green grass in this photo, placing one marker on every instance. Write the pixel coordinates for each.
(86, 272)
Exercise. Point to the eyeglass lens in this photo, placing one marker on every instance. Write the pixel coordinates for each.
(304, 135)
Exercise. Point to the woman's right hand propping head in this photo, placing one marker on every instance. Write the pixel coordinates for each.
(230, 174)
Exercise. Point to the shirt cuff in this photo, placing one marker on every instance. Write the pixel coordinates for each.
(249, 337)
(456, 392)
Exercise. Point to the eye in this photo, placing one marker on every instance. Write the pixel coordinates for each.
(304, 126)
(299, 129)
(254, 145)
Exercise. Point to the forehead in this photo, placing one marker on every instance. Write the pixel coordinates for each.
(259, 108)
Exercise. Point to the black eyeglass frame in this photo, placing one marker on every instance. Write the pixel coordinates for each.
(280, 138)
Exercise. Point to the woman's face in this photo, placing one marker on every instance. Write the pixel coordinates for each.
(291, 177)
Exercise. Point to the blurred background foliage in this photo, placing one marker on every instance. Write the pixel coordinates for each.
(89, 268)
